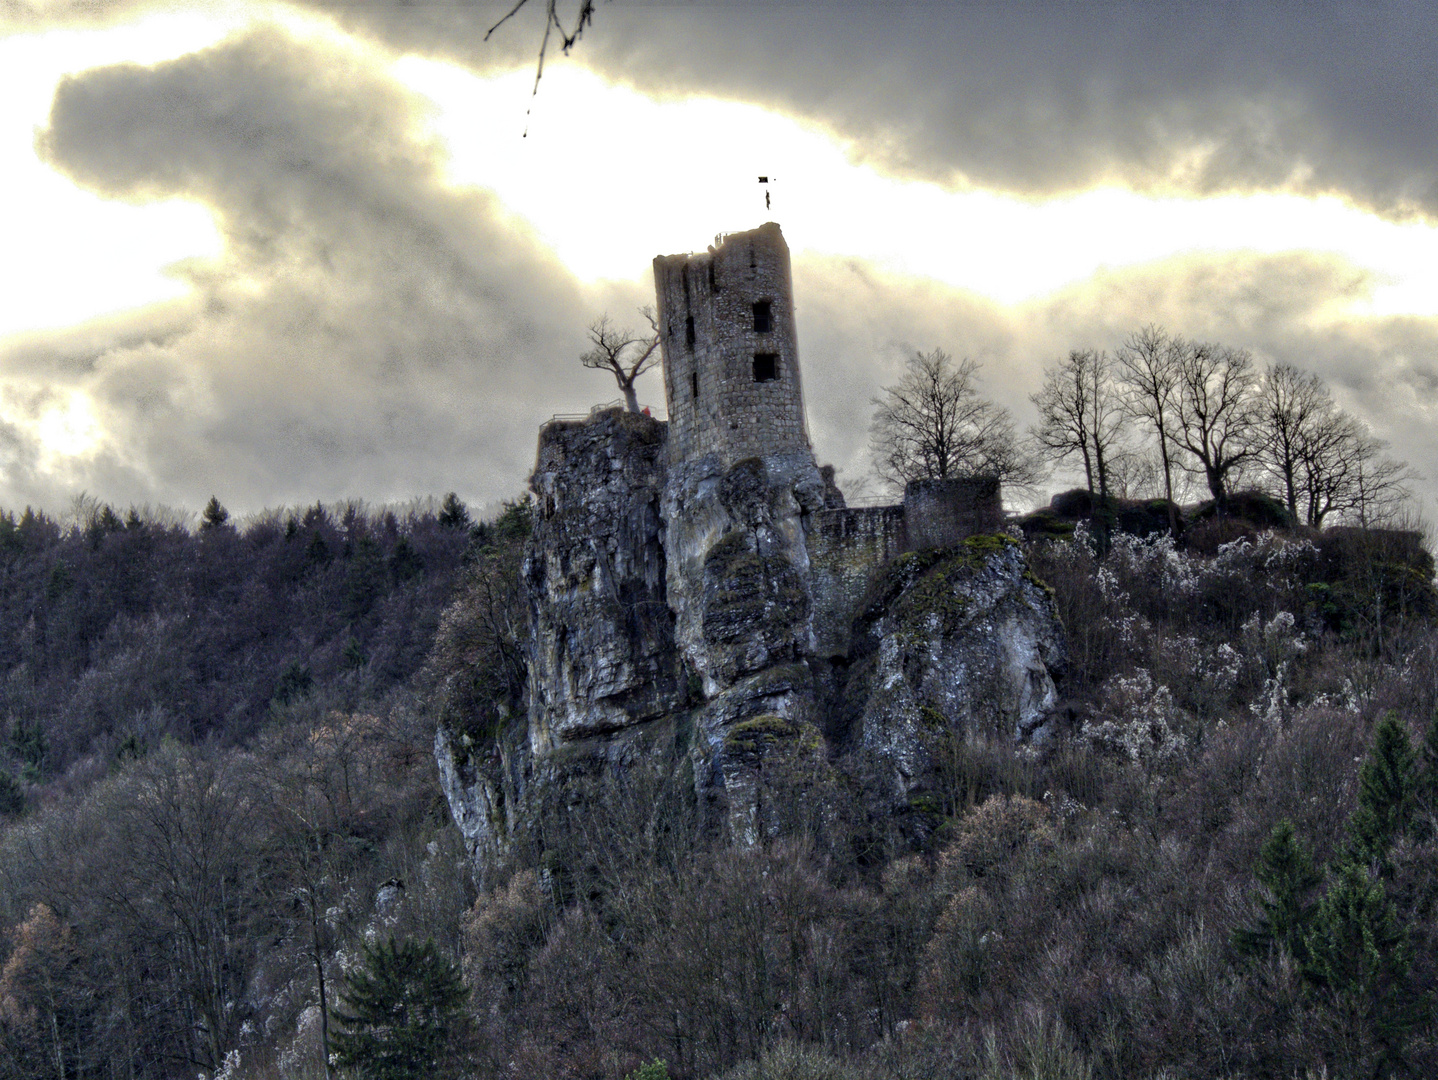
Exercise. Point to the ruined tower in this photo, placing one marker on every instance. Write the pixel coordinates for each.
(731, 356)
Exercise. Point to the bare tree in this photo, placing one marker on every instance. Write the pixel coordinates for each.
(1325, 464)
(1080, 413)
(1379, 490)
(1148, 370)
(623, 353)
(1326, 461)
(1214, 412)
(1294, 415)
(189, 819)
(933, 424)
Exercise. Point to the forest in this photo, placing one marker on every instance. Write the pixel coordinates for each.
(224, 849)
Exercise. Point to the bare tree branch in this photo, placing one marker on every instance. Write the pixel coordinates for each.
(583, 18)
(623, 353)
(1080, 413)
(933, 424)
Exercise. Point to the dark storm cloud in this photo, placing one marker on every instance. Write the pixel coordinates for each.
(368, 332)
(1040, 96)
(1037, 96)
(1046, 97)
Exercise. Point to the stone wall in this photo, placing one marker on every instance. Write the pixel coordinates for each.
(940, 513)
(731, 370)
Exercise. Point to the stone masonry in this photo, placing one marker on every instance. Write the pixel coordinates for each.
(731, 356)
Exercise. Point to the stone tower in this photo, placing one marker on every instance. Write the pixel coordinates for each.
(731, 356)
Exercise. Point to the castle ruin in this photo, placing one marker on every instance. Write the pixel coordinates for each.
(733, 390)
(702, 600)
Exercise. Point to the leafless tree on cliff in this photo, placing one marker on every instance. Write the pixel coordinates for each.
(1322, 460)
(1080, 413)
(933, 424)
(1214, 414)
(623, 353)
(1378, 493)
(1148, 364)
(1297, 422)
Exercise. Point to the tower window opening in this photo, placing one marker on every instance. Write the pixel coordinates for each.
(766, 367)
(713, 283)
(689, 331)
(763, 317)
(694, 385)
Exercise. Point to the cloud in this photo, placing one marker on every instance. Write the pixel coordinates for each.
(1033, 96)
(371, 331)
(858, 325)
(368, 330)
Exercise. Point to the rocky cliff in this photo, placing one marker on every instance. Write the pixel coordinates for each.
(681, 630)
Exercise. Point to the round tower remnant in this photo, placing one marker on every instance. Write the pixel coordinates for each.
(731, 354)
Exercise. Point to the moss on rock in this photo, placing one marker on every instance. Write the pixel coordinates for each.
(746, 592)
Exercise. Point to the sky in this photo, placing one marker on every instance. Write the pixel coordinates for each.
(333, 249)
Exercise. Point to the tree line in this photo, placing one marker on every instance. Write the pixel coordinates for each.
(1159, 410)
(119, 629)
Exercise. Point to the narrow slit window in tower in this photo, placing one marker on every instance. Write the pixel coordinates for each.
(689, 331)
(763, 317)
(694, 384)
(766, 366)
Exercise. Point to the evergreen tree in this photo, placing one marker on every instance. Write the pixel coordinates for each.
(1289, 878)
(1387, 788)
(12, 795)
(400, 1011)
(404, 562)
(365, 580)
(1426, 783)
(453, 514)
(214, 516)
(1359, 956)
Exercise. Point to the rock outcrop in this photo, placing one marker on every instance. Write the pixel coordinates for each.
(952, 643)
(676, 630)
(602, 654)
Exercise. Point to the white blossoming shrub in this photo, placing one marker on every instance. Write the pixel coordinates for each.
(1270, 647)
(1137, 718)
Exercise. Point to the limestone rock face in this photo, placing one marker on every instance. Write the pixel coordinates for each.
(705, 624)
(955, 642)
(739, 585)
(603, 654)
(739, 563)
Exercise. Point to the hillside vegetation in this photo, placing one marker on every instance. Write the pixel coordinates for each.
(1222, 866)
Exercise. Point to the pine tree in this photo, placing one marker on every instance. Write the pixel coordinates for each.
(453, 514)
(1285, 869)
(399, 1012)
(1359, 956)
(365, 580)
(214, 516)
(1387, 789)
(1426, 784)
